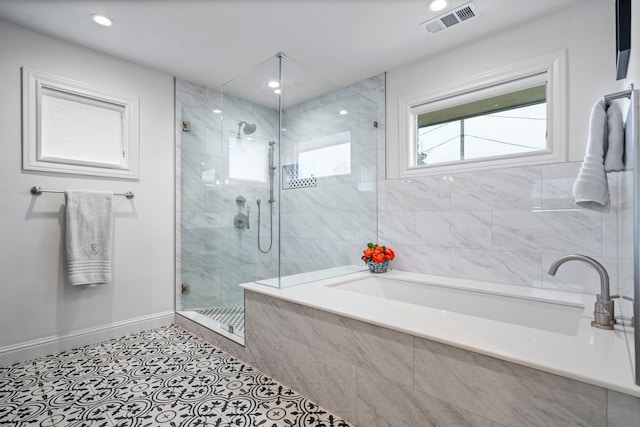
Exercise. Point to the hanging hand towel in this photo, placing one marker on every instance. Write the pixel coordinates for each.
(591, 190)
(89, 231)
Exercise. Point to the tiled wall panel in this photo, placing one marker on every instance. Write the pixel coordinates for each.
(505, 392)
(390, 404)
(507, 226)
(376, 377)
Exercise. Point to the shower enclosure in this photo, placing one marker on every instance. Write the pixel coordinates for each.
(276, 177)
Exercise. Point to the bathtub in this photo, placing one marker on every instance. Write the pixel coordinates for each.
(554, 315)
(542, 329)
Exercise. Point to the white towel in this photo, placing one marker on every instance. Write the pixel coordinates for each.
(89, 231)
(605, 150)
(614, 155)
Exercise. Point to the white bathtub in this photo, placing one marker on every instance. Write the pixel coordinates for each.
(560, 316)
(542, 329)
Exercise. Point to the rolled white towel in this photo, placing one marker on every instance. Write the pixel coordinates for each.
(590, 190)
(614, 154)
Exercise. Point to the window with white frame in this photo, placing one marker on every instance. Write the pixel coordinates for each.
(512, 116)
(71, 127)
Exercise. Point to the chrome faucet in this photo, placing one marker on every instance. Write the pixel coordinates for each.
(603, 310)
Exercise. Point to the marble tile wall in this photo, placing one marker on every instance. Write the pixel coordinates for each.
(624, 204)
(506, 225)
(622, 410)
(373, 376)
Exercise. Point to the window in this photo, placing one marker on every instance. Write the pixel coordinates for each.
(248, 160)
(326, 156)
(70, 127)
(82, 130)
(508, 117)
(503, 125)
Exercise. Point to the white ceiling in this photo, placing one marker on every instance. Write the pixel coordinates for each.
(212, 41)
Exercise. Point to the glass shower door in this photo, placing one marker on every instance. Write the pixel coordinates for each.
(217, 236)
(226, 199)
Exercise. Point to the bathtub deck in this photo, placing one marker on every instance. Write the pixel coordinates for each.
(594, 356)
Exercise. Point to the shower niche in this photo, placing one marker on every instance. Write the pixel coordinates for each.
(276, 177)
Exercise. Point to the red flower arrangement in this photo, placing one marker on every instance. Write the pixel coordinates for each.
(377, 253)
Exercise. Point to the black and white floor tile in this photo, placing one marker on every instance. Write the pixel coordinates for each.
(161, 377)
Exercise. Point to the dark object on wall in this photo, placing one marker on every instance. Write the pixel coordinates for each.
(623, 37)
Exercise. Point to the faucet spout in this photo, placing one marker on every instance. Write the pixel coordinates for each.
(602, 272)
(603, 311)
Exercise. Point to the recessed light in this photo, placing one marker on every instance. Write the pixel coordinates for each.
(437, 5)
(102, 20)
(277, 91)
(217, 111)
(274, 84)
(343, 112)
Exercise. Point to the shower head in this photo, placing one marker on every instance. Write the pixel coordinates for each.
(248, 128)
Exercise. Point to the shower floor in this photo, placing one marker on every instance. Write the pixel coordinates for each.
(226, 316)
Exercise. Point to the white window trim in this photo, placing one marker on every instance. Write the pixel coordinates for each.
(33, 83)
(552, 67)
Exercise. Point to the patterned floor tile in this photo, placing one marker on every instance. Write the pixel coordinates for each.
(27, 375)
(16, 391)
(34, 412)
(76, 415)
(268, 390)
(161, 377)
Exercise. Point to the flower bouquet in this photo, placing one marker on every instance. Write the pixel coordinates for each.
(377, 257)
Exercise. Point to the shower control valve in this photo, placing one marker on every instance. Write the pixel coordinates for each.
(241, 220)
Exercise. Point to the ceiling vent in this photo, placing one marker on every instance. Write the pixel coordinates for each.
(451, 18)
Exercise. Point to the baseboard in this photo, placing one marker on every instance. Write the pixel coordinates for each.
(57, 343)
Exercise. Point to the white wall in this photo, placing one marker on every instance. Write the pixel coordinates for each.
(586, 30)
(35, 302)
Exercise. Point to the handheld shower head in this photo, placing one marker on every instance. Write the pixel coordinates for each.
(248, 128)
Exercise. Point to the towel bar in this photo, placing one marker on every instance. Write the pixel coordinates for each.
(36, 190)
(618, 95)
